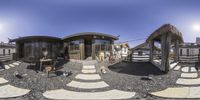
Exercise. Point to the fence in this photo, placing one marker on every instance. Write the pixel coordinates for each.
(189, 58)
(6, 57)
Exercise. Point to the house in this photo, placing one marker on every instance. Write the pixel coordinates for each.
(77, 46)
(6, 51)
(140, 53)
(88, 44)
(189, 52)
(31, 48)
(121, 50)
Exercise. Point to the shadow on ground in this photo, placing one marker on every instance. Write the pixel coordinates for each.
(136, 68)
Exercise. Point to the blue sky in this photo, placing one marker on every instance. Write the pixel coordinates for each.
(131, 19)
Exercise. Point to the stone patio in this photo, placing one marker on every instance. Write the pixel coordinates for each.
(92, 81)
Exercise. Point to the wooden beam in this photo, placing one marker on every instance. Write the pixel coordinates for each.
(151, 45)
(176, 50)
(165, 49)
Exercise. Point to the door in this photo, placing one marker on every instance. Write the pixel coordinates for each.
(88, 48)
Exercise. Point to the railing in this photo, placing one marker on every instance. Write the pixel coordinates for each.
(189, 58)
(6, 57)
(140, 57)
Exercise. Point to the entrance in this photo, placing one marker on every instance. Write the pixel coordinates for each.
(88, 48)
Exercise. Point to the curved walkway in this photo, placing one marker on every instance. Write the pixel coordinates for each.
(188, 80)
(88, 75)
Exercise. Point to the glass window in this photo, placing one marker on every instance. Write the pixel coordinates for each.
(4, 51)
(102, 45)
(102, 42)
(187, 52)
(74, 45)
(9, 51)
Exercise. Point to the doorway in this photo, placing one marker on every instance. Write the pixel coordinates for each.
(88, 48)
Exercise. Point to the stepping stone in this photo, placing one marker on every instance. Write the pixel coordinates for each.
(11, 65)
(15, 63)
(88, 67)
(2, 81)
(66, 94)
(181, 92)
(88, 85)
(18, 62)
(185, 69)
(189, 75)
(173, 65)
(193, 69)
(88, 76)
(177, 67)
(188, 81)
(6, 67)
(8, 91)
(88, 71)
(194, 92)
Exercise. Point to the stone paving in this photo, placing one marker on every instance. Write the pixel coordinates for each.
(8, 66)
(7, 90)
(188, 83)
(89, 79)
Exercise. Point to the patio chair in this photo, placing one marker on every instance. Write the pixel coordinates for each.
(50, 68)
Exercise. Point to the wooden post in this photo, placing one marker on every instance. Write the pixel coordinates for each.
(93, 49)
(151, 45)
(177, 51)
(165, 49)
(82, 49)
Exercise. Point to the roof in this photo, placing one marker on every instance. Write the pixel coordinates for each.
(35, 37)
(165, 29)
(7, 45)
(189, 45)
(144, 46)
(141, 46)
(91, 34)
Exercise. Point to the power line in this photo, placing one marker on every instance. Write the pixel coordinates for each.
(133, 40)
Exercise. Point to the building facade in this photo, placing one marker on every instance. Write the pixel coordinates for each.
(88, 44)
(189, 52)
(31, 48)
(77, 46)
(6, 51)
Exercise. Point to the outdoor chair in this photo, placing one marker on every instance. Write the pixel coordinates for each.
(50, 68)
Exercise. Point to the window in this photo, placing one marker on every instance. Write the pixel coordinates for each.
(181, 52)
(74, 45)
(9, 51)
(187, 52)
(140, 53)
(102, 45)
(4, 52)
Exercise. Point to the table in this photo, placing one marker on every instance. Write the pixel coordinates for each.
(44, 61)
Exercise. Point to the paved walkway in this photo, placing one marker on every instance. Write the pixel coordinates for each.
(189, 82)
(8, 66)
(91, 80)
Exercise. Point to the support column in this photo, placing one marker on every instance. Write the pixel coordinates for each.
(165, 48)
(82, 49)
(151, 45)
(93, 49)
(177, 51)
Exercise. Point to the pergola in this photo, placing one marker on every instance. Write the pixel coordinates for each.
(166, 35)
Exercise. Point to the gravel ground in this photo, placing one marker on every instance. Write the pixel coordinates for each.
(129, 76)
(38, 82)
(123, 76)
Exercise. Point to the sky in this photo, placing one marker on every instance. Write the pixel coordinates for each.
(132, 20)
